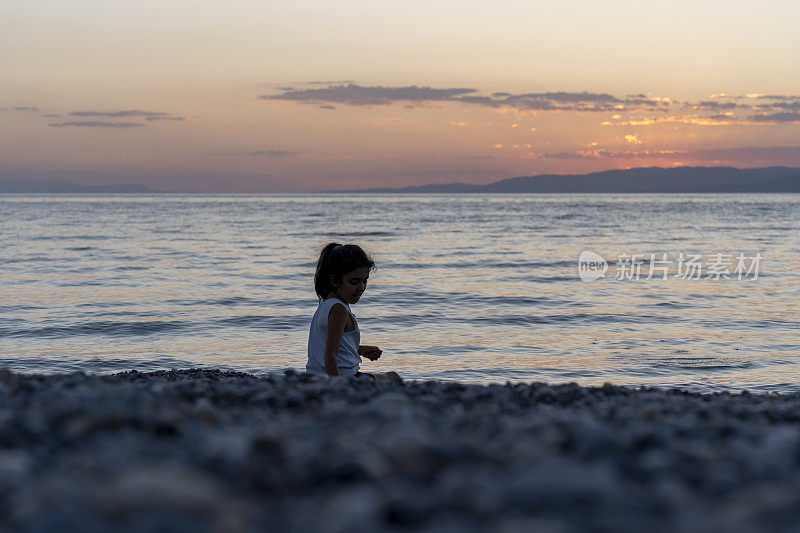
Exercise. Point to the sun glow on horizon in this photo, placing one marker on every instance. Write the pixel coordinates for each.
(167, 96)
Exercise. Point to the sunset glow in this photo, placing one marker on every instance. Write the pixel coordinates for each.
(261, 97)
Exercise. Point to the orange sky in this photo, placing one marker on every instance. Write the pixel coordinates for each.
(259, 97)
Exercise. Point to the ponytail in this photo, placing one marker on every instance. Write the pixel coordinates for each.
(336, 260)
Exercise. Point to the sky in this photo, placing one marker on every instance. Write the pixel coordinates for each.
(265, 96)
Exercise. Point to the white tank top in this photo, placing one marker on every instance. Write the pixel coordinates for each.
(347, 358)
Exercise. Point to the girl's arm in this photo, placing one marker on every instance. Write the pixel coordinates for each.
(337, 319)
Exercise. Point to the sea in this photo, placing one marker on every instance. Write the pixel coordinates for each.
(698, 291)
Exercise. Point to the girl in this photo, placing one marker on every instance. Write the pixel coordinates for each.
(333, 339)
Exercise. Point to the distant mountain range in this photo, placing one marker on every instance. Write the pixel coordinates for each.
(634, 180)
(61, 186)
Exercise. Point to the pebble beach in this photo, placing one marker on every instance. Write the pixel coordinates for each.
(206, 450)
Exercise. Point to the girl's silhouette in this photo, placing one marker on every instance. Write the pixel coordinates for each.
(334, 337)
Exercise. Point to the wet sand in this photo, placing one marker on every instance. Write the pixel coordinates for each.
(198, 450)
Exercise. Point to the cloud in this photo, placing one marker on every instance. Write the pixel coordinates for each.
(352, 94)
(367, 96)
(713, 104)
(753, 102)
(556, 101)
(610, 153)
(721, 109)
(261, 153)
(782, 105)
(600, 153)
(95, 124)
(788, 105)
(784, 116)
(22, 108)
(778, 97)
(632, 139)
(718, 119)
(148, 116)
(743, 155)
(135, 113)
(150, 119)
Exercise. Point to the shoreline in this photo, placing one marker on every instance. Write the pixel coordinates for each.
(695, 387)
(216, 450)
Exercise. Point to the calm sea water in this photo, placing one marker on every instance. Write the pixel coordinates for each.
(470, 288)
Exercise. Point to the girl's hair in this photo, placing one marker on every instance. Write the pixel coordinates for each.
(338, 259)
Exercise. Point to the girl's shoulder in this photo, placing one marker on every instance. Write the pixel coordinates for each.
(330, 302)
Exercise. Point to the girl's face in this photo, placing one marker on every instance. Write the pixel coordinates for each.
(352, 285)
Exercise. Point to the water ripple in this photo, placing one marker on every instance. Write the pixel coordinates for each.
(106, 328)
(480, 288)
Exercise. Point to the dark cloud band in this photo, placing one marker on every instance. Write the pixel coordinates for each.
(261, 153)
(132, 113)
(785, 116)
(352, 94)
(148, 116)
(95, 124)
(744, 153)
(358, 95)
(768, 108)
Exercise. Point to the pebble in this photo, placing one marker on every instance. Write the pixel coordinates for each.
(208, 450)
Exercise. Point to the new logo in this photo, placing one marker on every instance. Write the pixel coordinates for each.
(591, 266)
